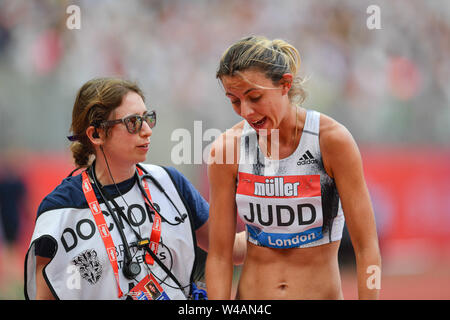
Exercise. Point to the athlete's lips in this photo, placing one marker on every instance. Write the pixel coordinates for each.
(258, 123)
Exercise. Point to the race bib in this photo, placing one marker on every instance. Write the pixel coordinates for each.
(280, 211)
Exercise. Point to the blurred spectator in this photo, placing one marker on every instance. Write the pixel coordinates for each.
(12, 202)
(171, 47)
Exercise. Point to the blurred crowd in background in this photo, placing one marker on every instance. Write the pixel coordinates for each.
(389, 86)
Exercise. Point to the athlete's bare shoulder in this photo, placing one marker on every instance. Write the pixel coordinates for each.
(330, 129)
(336, 142)
(236, 130)
(225, 149)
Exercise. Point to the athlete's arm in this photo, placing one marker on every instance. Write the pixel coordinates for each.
(42, 290)
(222, 220)
(343, 162)
(239, 247)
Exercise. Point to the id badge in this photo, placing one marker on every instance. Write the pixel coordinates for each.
(148, 289)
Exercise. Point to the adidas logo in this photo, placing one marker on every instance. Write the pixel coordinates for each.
(307, 158)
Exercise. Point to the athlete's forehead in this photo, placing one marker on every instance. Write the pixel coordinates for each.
(241, 83)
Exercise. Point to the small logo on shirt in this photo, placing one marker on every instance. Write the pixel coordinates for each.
(307, 158)
(89, 265)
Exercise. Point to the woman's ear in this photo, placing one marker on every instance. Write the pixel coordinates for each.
(94, 135)
(286, 82)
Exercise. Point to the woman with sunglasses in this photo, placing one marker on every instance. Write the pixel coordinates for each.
(120, 229)
(294, 175)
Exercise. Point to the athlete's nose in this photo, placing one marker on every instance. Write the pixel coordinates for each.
(246, 110)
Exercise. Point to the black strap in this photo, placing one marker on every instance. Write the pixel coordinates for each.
(163, 266)
(147, 248)
(73, 171)
(116, 220)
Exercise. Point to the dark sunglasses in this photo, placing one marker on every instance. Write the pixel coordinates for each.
(133, 122)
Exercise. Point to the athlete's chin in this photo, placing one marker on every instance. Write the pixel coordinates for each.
(266, 132)
(268, 129)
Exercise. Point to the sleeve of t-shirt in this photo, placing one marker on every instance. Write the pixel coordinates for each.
(45, 247)
(67, 194)
(194, 200)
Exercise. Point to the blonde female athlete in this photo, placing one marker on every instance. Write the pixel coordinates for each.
(292, 175)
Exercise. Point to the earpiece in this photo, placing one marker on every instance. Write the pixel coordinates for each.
(96, 125)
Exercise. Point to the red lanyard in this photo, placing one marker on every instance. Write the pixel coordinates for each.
(103, 228)
(155, 236)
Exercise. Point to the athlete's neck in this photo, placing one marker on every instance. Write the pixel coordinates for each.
(289, 127)
(288, 137)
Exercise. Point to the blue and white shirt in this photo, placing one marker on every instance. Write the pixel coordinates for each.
(66, 232)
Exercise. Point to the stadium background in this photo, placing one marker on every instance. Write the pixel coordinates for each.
(389, 87)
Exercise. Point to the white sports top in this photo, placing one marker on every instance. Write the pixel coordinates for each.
(291, 202)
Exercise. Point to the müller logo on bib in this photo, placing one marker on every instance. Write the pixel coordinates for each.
(279, 187)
